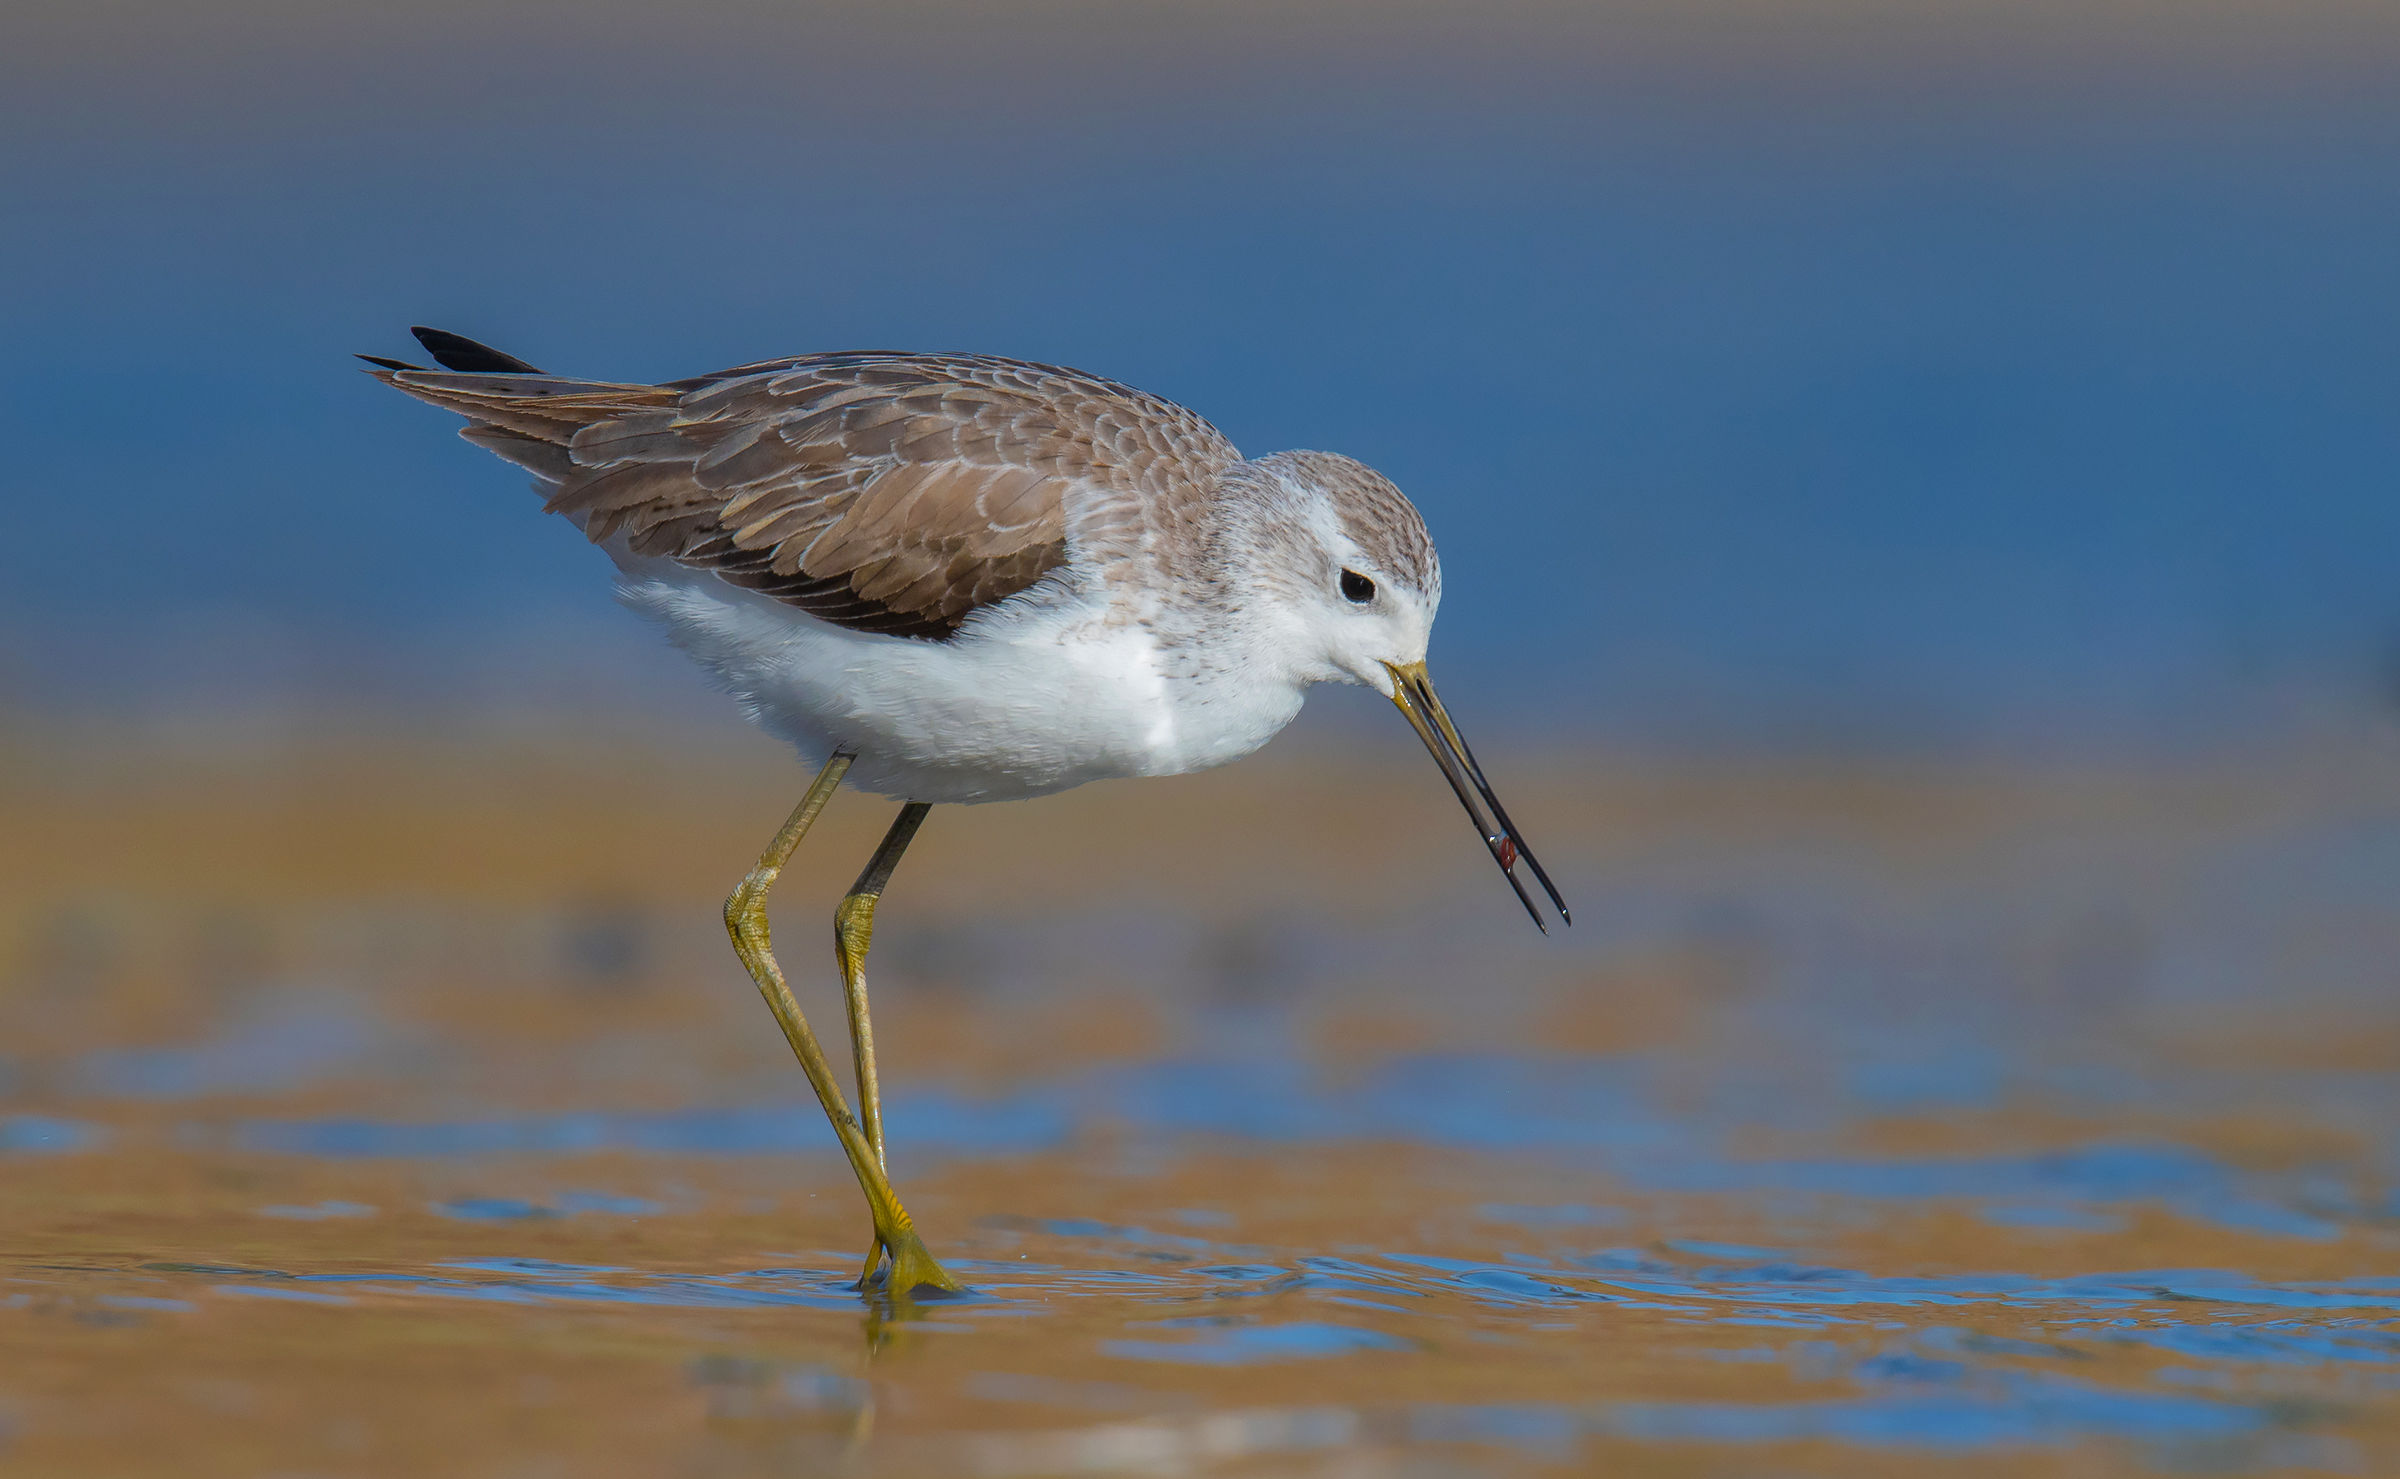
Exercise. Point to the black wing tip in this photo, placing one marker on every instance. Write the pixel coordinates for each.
(462, 354)
(380, 363)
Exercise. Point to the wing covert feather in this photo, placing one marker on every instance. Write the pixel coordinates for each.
(886, 492)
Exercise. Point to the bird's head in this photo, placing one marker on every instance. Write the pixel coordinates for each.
(1337, 566)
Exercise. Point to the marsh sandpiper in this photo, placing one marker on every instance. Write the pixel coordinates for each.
(962, 578)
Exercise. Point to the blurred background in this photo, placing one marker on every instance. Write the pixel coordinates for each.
(1841, 372)
(1916, 490)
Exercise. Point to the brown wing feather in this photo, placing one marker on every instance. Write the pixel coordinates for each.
(887, 492)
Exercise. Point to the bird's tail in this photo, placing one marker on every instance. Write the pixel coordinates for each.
(513, 409)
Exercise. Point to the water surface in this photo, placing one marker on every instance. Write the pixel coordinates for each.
(2016, 1124)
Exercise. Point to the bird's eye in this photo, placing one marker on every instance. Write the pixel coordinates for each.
(1356, 588)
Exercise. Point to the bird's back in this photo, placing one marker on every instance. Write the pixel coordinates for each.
(882, 492)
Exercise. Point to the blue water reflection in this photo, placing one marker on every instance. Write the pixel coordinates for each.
(1242, 1345)
(41, 1134)
(1944, 1386)
(1607, 1114)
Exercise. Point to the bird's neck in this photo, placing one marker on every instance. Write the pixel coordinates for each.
(1254, 551)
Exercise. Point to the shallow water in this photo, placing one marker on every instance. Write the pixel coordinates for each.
(2019, 1136)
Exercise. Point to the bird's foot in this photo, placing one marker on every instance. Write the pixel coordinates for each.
(913, 1268)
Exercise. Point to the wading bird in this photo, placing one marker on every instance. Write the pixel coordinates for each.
(963, 578)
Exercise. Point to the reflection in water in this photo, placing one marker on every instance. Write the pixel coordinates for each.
(1606, 1113)
(1962, 1362)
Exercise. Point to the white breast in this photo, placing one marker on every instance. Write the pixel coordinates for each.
(1031, 697)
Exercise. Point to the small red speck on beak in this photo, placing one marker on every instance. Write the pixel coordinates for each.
(1508, 852)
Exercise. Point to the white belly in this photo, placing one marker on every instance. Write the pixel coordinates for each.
(1030, 699)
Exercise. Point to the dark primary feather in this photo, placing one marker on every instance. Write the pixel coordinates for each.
(887, 492)
(458, 352)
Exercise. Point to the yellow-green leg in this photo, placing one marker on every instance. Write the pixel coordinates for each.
(746, 922)
(853, 932)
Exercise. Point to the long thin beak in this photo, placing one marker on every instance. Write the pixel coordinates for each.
(1412, 691)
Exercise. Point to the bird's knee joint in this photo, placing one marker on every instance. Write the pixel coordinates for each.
(854, 924)
(745, 909)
